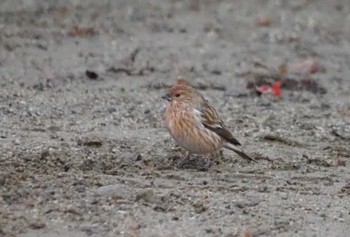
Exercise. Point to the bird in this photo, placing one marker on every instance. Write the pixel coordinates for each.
(195, 125)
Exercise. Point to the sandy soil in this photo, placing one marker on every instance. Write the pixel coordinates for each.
(83, 148)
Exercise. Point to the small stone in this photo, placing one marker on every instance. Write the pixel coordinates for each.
(147, 196)
(114, 190)
(80, 188)
(37, 225)
(199, 207)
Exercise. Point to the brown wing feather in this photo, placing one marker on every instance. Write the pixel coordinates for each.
(211, 121)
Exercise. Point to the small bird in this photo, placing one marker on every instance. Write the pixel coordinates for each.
(195, 125)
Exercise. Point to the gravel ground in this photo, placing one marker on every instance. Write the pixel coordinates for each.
(83, 148)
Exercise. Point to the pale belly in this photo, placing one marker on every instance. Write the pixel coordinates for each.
(195, 138)
(200, 144)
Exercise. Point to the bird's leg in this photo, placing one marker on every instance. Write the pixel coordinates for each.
(185, 160)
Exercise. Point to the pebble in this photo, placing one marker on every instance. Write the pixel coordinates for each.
(119, 190)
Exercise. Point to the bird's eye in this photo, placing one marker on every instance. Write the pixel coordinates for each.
(177, 95)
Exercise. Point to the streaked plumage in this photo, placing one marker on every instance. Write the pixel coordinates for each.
(195, 125)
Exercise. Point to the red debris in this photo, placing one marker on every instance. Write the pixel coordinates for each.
(263, 22)
(276, 88)
(267, 89)
(263, 89)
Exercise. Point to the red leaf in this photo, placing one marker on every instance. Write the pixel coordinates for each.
(267, 89)
(276, 88)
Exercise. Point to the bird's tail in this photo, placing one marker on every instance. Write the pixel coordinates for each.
(239, 152)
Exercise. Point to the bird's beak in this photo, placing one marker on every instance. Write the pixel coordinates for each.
(167, 97)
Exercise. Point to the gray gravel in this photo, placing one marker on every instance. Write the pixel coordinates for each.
(83, 148)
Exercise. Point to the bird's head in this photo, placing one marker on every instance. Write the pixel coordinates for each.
(183, 94)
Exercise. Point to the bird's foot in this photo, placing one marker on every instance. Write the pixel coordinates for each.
(185, 162)
(189, 162)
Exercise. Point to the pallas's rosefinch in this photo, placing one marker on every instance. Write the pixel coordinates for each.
(195, 125)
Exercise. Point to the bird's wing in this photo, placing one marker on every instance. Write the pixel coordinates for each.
(211, 121)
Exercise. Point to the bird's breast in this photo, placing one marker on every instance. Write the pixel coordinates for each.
(186, 128)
